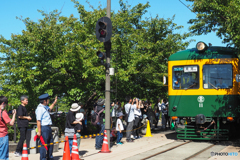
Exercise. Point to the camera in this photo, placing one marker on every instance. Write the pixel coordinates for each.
(11, 111)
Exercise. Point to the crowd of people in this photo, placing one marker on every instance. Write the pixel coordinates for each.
(124, 118)
(129, 117)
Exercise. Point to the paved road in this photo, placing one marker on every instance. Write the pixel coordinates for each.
(187, 150)
(146, 146)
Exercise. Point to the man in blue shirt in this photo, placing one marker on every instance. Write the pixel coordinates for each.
(221, 84)
(44, 123)
(176, 84)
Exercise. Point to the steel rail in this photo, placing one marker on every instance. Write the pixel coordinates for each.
(165, 150)
(192, 156)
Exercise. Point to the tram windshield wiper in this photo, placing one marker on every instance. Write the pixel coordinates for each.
(190, 86)
(213, 86)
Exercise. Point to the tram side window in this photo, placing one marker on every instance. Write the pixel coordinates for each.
(185, 77)
(217, 76)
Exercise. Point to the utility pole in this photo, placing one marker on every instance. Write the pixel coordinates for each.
(107, 85)
(103, 34)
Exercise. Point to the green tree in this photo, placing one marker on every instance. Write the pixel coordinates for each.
(140, 49)
(220, 16)
(54, 55)
(57, 55)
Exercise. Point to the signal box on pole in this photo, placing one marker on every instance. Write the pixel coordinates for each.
(104, 29)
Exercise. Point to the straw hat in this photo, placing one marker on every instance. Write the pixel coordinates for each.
(75, 107)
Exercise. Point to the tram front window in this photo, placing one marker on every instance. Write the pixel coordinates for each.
(185, 77)
(217, 76)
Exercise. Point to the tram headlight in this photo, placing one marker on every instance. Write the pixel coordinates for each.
(174, 118)
(201, 46)
(230, 119)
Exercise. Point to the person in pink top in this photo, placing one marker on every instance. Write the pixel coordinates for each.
(4, 120)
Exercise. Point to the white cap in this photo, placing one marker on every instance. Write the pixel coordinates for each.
(79, 116)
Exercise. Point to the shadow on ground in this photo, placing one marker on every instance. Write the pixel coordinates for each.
(171, 135)
(82, 152)
(57, 157)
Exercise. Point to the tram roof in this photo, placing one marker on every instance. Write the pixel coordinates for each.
(210, 53)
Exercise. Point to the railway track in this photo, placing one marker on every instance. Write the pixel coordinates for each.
(165, 151)
(194, 155)
(184, 147)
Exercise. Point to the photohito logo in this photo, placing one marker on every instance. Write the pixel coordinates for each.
(224, 154)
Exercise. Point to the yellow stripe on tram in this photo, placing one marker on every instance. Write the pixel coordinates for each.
(201, 91)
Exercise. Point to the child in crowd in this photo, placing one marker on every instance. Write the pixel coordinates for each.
(78, 127)
(119, 128)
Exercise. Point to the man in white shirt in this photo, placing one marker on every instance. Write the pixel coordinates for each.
(129, 110)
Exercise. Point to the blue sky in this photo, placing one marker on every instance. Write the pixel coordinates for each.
(9, 9)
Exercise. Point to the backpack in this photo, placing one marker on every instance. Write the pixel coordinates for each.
(95, 116)
(156, 108)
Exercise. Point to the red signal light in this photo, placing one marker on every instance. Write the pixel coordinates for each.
(102, 33)
(104, 29)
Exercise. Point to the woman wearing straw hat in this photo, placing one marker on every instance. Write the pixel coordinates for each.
(70, 123)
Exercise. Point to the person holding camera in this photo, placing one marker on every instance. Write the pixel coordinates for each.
(4, 145)
(137, 121)
(129, 110)
(22, 122)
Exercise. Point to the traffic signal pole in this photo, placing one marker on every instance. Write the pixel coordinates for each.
(104, 34)
(107, 84)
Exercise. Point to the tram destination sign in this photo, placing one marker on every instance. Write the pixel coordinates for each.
(190, 69)
(178, 69)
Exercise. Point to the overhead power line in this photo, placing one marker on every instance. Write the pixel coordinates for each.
(187, 7)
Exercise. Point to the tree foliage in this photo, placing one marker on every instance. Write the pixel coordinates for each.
(220, 16)
(57, 55)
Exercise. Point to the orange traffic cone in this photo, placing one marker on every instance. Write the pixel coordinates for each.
(24, 152)
(75, 155)
(66, 152)
(105, 144)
